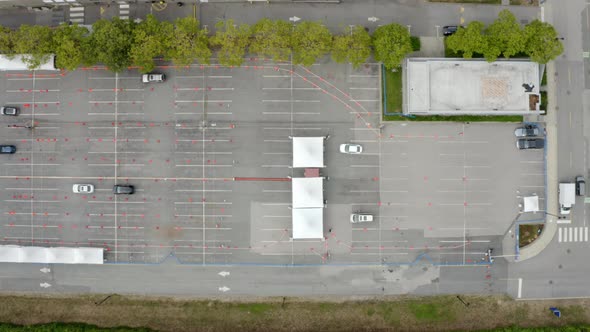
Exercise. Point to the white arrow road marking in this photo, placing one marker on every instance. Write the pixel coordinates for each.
(45, 270)
(223, 273)
(294, 19)
(373, 19)
(224, 289)
(45, 285)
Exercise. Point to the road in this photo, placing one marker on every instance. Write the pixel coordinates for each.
(556, 271)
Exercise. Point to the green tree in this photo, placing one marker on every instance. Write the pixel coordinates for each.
(68, 41)
(272, 39)
(151, 38)
(190, 43)
(542, 43)
(232, 40)
(469, 40)
(353, 46)
(310, 40)
(36, 41)
(505, 35)
(110, 43)
(391, 44)
(6, 40)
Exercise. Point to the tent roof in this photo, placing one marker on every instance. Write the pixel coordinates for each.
(531, 204)
(308, 151)
(308, 223)
(308, 192)
(59, 255)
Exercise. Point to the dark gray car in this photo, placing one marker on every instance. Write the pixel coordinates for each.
(9, 110)
(530, 143)
(450, 29)
(123, 189)
(7, 149)
(527, 131)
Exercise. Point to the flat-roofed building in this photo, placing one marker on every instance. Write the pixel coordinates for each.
(470, 86)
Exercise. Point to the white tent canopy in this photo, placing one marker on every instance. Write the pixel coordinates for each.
(60, 255)
(531, 204)
(308, 223)
(308, 152)
(307, 192)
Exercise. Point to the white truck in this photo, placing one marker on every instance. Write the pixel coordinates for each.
(567, 197)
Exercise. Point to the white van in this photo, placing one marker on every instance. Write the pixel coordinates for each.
(567, 197)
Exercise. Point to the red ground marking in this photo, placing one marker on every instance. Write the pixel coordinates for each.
(262, 179)
(429, 203)
(378, 203)
(464, 203)
(464, 178)
(426, 178)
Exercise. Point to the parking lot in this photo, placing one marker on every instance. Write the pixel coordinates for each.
(209, 153)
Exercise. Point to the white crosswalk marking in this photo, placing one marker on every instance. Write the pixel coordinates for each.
(123, 10)
(77, 14)
(572, 234)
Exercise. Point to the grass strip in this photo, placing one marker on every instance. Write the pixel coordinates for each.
(456, 118)
(437, 313)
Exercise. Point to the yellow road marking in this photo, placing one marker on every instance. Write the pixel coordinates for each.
(101, 10)
(159, 6)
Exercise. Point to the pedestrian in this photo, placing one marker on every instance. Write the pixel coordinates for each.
(330, 230)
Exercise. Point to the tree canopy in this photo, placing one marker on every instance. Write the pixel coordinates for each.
(542, 43)
(310, 40)
(36, 41)
(353, 46)
(189, 43)
(469, 40)
(68, 41)
(232, 40)
(272, 38)
(505, 35)
(111, 42)
(151, 38)
(391, 44)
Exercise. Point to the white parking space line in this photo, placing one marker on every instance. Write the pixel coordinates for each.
(204, 101)
(30, 91)
(202, 190)
(294, 128)
(29, 164)
(290, 89)
(280, 166)
(115, 102)
(113, 202)
(276, 191)
(201, 203)
(203, 216)
(40, 189)
(289, 101)
(290, 113)
(206, 165)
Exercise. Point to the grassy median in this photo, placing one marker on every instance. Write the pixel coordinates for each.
(439, 313)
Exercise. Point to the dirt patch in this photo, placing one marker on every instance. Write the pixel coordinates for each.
(438, 313)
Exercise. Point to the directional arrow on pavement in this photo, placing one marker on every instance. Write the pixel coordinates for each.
(373, 19)
(294, 19)
(223, 273)
(45, 270)
(224, 289)
(45, 285)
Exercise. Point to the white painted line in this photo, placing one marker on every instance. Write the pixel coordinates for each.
(281, 166)
(287, 128)
(201, 190)
(289, 101)
(204, 101)
(560, 231)
(115, 101)
(519, 288)
(113, 202)
(586, 234)
(571, 231)
(290, 89)
(289, 113)
(218, 76)
(48, 189)
(212, 166)
(576, 234)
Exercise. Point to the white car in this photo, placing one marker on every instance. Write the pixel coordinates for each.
(360, 217)
(83, 188)
(351, 148)
(153, 77)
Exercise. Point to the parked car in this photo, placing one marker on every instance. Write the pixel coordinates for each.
(530, 143)
(7, 149)
(123, 189)
(351, 148)
(580, 186)
(9, 110)
(360, 217)
(153, 77)
(83, 188)
(450, 29)
(527, 131)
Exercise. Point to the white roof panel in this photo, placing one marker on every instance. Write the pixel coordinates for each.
(308, 223)
(308, 152)
(307, 192)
